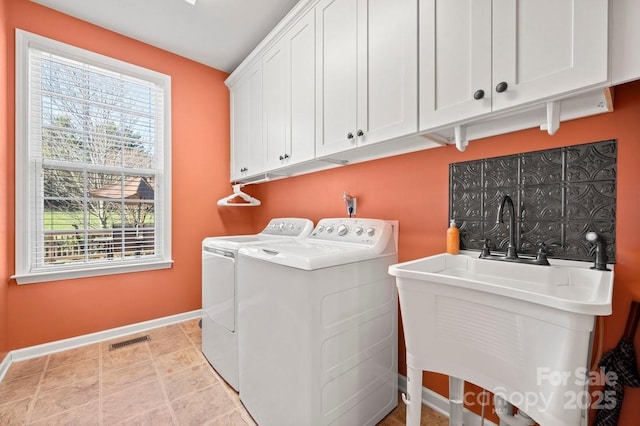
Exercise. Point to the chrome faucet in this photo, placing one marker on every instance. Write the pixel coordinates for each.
(511, 247)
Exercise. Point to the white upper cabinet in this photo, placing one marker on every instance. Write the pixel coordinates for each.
(274, 100)
(301, 91)
(455, 60)
(246, 125)
(289, 96)
(543, 48)
(625, 35)
(367, 72)
(337, 63)
(341, 81)
(479, 56)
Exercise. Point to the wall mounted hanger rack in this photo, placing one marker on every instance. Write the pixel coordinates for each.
(249, 201)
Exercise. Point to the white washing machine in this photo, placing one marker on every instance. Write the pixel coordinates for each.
(319, 326)
(220, 295)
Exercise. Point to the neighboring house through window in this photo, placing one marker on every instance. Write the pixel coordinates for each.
(93, 175)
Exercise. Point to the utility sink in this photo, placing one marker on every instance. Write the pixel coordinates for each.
(522, 331)
(568, 288)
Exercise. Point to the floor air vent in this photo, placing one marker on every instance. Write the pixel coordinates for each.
(129, 342)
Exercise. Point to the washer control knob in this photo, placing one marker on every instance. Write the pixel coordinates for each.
(281, 226)
(330, 229)
(320, 228)
(371, 232)
(342, 230)
(291, 226)
(359, 230)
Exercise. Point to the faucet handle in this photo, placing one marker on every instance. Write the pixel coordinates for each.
(486, 251)
(541, 255)
(549, 247)
(542, 249)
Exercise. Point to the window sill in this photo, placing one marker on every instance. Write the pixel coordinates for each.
(46, 276)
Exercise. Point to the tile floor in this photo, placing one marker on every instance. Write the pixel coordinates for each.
(163, 381)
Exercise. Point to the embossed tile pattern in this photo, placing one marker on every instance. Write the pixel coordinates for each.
(559, 194)
(163, 381)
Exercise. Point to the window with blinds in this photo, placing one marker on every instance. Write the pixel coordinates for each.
(92, 162)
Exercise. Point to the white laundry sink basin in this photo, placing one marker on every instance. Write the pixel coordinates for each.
(511, 328)
(568, 288)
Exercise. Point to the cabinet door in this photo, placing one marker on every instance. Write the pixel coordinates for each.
(246, 136)
(336, 28)
(238, 94)
(455, 61)
(387, 70)
(625, 33)
(301, 51)
(544, 48)
(274, 65)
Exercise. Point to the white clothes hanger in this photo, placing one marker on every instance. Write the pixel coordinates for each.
(237, 192)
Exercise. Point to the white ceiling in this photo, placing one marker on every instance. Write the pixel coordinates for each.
(218, 33)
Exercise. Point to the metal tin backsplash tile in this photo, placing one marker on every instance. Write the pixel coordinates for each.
(560, 195)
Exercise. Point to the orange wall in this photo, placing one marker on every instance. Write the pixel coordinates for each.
(413, 189)
(4, 243)
(39, 313)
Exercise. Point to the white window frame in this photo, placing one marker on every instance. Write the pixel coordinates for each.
(24, 236)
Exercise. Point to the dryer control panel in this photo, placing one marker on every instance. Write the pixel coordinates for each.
(288, 226)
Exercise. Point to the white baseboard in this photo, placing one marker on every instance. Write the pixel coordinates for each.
(4, 365)
(441, 404)
(88, 339)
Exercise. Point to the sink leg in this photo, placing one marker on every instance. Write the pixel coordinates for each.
(414, 397)
(456, 395)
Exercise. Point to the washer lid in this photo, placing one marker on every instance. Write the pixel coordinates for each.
(236, 241)
(310, 256)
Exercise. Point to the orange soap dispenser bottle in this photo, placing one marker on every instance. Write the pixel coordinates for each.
(453, 238)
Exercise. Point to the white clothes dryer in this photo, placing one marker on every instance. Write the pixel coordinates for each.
(319, 326)
(219, 293)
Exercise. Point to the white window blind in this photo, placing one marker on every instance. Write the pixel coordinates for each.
(92, 159)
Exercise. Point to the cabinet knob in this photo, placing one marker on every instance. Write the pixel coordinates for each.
(502, 87)
(349, 135)
(243, 169)
(284, 157)
(478, 94)
(360, 133)
(281, 158)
